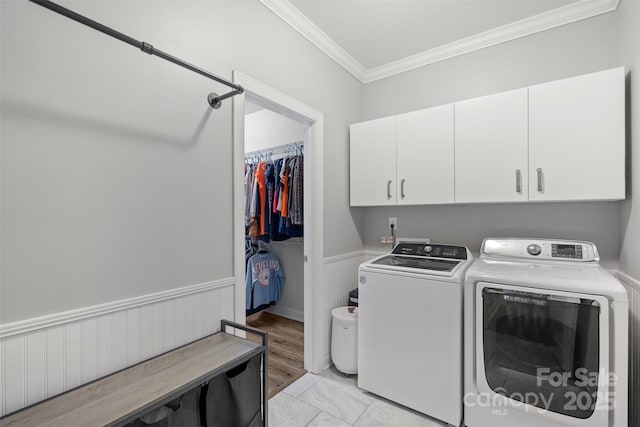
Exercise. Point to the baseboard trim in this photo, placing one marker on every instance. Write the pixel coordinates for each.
(287, 312)
(38, 323)
(326, 363)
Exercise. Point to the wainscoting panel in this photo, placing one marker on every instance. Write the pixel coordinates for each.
(88, 350)
(120, 340)
(633, 291)
(42, 357)
(72, 357)
(55, 360)
(340, 276)
(15, 373)
(35, 352)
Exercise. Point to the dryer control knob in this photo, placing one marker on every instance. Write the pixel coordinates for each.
(428, 249)
(534, 250)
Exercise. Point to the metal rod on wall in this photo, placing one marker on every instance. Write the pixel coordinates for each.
(214, 99)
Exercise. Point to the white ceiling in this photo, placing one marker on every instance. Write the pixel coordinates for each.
(378, 32)
(374, 39)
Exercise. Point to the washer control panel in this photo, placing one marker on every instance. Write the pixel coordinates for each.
(429, 250)
(544, 249)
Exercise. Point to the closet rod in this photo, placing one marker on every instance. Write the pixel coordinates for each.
(214, 99)
(276, 150)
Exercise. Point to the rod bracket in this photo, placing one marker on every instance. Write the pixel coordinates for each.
(214, 101)
(147, 48)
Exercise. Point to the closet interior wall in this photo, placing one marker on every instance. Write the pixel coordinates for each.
(264, 130)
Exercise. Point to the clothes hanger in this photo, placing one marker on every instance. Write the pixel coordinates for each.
(263, 247)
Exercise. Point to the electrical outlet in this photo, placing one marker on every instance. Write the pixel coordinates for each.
(393, 221)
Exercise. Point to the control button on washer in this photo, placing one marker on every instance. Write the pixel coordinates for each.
(534, 250)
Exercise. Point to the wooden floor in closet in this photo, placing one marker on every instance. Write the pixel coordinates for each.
(286, 348)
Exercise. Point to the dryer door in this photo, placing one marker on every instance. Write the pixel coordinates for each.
(545, 352)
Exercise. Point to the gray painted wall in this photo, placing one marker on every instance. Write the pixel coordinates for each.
(291, 255)
(468, 224)
(115, 173)
(574, 49)
(628, 15)
(266, 129)
(566, 51)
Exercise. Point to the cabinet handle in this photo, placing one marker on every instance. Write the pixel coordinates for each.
(402, 188)
(518, 181)
(389, 189)
(540, 187)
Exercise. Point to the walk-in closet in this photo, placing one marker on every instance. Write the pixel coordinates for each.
(274, 238)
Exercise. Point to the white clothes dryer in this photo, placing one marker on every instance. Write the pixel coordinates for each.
(545, 337)
(410, 327)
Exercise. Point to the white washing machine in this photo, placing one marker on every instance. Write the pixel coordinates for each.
(545, 337)
(410, 327)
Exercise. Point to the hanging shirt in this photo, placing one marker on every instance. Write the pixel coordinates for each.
(277, 168)
(248, 187)
(261, 182)
(284, 177)
(297, 201)
(254, 211)
(265, 279)
(269, 178)
(292, 168)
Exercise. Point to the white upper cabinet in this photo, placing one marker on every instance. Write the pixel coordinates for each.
(373, 162)
(577, 138)
(425, 156)
(491, 148)
(557, 141)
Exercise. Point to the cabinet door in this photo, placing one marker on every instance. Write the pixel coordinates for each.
(576, 139)
(373, 162)
(425, 156)
(491, 148)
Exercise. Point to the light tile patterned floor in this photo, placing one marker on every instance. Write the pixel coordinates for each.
(332, 399)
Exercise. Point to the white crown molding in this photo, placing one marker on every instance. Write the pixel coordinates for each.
(551, 19)
(57, 319)
(545, 21)
(315, 35)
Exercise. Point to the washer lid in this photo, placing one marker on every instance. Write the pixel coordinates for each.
(417, 262)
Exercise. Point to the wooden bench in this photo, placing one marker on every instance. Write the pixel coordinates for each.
(126, 395)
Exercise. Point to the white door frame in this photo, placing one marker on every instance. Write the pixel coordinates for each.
(268, 97)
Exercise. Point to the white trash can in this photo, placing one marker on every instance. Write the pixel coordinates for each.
(344, 340)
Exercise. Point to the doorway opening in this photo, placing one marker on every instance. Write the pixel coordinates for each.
(310, 248)
(274, 237)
